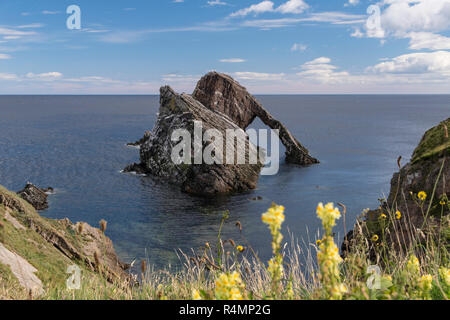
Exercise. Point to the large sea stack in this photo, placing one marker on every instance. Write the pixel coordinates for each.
(220, 103)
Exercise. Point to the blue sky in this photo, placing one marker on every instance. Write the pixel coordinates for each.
(278, 46)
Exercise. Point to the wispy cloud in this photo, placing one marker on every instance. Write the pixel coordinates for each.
(48, 12)
(259, 76)
(232, 60)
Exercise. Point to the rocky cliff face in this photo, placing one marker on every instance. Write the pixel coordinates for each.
(37, 197)
(219, 103)
(429, 168)
(429, 172)
(38, 251)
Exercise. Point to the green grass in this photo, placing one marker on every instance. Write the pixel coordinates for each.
(433, 143)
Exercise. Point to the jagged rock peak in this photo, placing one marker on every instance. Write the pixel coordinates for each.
(221, 93)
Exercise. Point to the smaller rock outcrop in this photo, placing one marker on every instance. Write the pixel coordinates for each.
(140, 142)
(135, 168)
(37, 197)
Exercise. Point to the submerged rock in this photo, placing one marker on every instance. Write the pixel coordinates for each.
(221, 93)
(37, 197)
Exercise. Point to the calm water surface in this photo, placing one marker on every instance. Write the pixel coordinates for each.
(77, 145)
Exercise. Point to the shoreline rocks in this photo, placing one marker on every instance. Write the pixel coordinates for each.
(140, 142)
(37, 197)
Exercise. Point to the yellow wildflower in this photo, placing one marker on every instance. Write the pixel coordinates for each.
(275, 268)
(422, 195)
(425, 282)
(328, 214)
(240, 248)
(196, 295)
(442, 203)
(445, 275)
(338, 290)
(274, 216)
(398, 215)
(375, 238)
(413, 264)
(383, 216)
(228, 286)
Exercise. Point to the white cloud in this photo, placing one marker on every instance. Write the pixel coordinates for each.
(232, 60)
(321, 70)
(321, 60)
(259, 76)
(31, 26)
(293, 6)
(289, 7)
(340, 18)
(8, 76)
(11, 37)
(417, 20)
(13, 32)
(357, 33)
(352, 3)
(4, 56)
(416, 15)
(417, 63)
(50, 12)
(176, 78)
(49, 76)
(265, 6)
(428, 40)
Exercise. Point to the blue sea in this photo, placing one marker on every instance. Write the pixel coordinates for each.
(77, 144)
